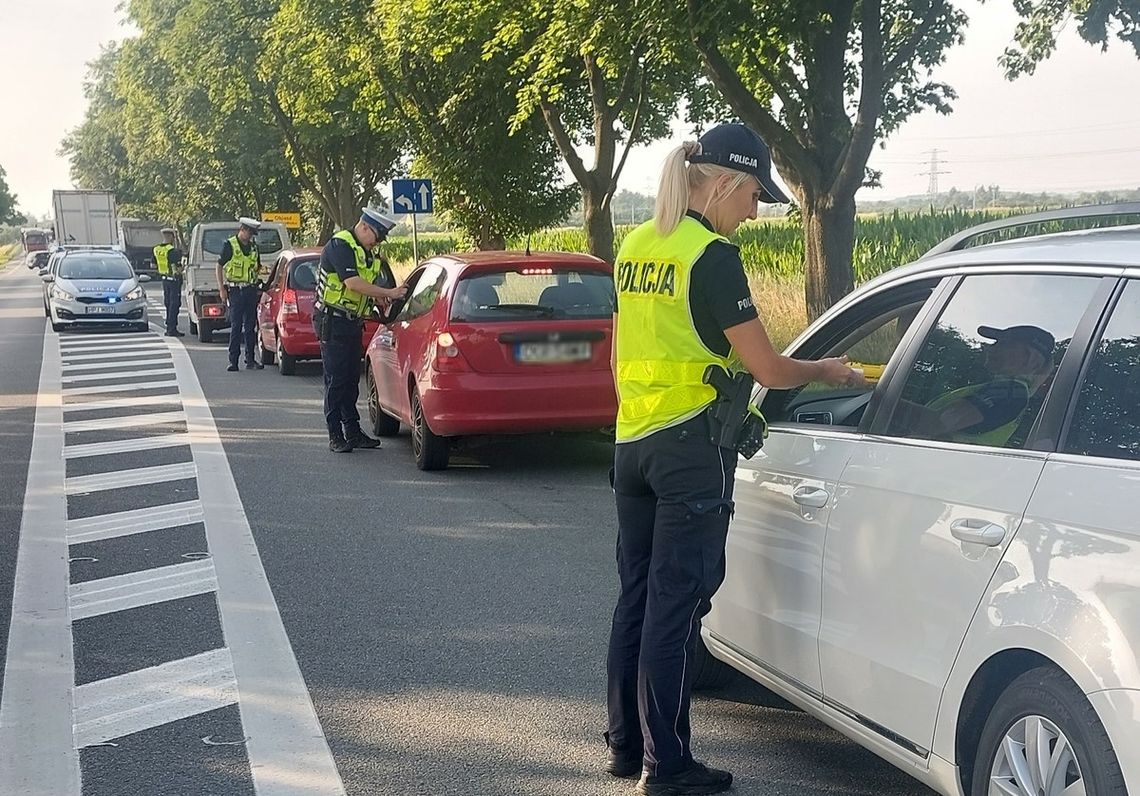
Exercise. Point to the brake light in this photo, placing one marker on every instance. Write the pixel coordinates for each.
(448, 357)
(289, 302)
(213, 310)
(537, 271)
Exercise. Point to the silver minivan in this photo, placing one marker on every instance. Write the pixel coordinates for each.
(944, 564)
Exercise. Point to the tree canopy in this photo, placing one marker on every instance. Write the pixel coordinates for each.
(8, 213)
(1097, 22)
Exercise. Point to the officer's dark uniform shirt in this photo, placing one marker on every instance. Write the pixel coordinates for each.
(338, 256)
(718, 292)
(228, 251)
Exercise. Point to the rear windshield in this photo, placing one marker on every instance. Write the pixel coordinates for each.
(268, 240)
(304, 275)
(538, 293)
(95, 267)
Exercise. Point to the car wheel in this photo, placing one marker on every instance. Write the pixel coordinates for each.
(286, 363)
(205, 332)
(431, 451)
(709, 672)
(264, 355)
(383, 424)
(1043, 738)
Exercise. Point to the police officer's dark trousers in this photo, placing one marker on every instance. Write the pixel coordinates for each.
(340, 357)
(674, 501)
(243, 321)
(172, 300)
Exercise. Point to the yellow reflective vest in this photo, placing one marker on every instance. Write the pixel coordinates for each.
(162, 260)
(331, 292)
(242, 268)
(660, 358)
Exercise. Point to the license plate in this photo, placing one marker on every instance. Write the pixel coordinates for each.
(546, 353)
(100, 309)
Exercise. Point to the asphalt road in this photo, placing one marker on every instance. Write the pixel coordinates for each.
(450, 627)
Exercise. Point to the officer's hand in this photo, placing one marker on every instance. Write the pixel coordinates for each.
(394, 293)
(224, 294)
(835, 371)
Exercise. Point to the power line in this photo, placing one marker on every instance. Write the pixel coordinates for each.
(932, 173)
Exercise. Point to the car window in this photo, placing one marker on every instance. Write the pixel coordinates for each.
(95, 267)
(868, 334)
(984, 369)
(519, 293)
(1106, 421)
(304, 275)
(424, 293)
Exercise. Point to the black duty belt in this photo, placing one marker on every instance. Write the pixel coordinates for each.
(337, 312)
(238, 285)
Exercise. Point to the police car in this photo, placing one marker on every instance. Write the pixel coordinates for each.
(94, 287)
(944, 564)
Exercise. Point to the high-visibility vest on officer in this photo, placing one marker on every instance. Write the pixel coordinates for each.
(238, 272)
(169, 263)
(683, 305)
(347, 291)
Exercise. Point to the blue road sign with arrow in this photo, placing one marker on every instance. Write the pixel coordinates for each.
(412, 196)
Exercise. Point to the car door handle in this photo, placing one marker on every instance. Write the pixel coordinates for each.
(811, 496)
(978, 532)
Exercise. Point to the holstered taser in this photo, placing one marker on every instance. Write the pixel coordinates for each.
(736, 422)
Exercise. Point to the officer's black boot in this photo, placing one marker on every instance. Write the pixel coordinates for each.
(358, 439)
(696, 779)
(622, 762)
(338, 444)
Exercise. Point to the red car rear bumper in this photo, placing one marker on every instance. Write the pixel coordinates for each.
(300, 340)
(475, 403)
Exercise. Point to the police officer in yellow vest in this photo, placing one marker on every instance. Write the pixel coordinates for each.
(238, 275)
(168, 261)
(346, 293)
(683, 304)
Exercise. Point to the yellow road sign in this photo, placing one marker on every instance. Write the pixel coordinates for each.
(290, 220)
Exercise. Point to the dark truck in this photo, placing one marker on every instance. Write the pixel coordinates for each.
(138, 238)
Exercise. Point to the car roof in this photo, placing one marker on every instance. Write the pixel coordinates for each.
(307, 252)
(491, 260)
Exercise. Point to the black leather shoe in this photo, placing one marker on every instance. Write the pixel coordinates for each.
(177, 333)
(254, 365)
(232, 368)
(696, 780)
(623, 764)
(339, 445)
(358, 439)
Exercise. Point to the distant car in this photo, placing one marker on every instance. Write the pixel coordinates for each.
(37, 259)
(285, 312)
(944, 563)
(493, 343)
(94, 288)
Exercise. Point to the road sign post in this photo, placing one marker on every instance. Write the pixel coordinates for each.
(413, 197)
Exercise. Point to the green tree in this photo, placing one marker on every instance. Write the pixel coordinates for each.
(602, 73)
(457, 104)
(821, 81)
(8, 214)
(1097, 21)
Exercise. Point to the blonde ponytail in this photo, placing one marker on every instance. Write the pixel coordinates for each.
(673, 189)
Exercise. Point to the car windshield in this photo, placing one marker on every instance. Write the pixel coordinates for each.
(268, 240)
(534, 293)
(96, 267)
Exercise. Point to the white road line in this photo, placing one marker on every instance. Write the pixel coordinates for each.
(121, 479)
(126, 523)
(126, 446)
(119, 354)
(124, 403)
(38, 756)
(287, 749)
(125, 337)
(113, 365)
(132, 421)
(97, 389)
(147, 698)
(108, 345)
(134, 374)
(136, 589)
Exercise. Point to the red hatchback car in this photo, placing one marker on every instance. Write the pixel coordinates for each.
(495, 343)
(285, 312)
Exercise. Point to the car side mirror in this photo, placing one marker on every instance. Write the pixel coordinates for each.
(48, 278)
(144, 277)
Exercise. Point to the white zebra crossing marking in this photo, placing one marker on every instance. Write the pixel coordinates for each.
(126, 446)
(121, 479)
(136, 589)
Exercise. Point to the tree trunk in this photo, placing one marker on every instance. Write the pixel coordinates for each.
(488, 239)
(829, 239)
(599, 223)
(328, 226)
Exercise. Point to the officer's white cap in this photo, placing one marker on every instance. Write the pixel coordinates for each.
(169, 231)
(252, 223)
(377, 220)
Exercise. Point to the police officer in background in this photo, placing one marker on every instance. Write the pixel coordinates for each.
(168, 261)
(346, 294)
(238, 271)
(683, 304)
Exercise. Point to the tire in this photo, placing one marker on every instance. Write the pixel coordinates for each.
(205, 332)
(383, 424)
(1045, 703)
(286, 363)
(431, 451)
(264, 355)
(193, 328)
(708, 672)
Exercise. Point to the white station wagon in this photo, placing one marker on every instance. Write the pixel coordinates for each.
(945, 565)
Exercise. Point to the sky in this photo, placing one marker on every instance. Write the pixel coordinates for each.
(1066, 128)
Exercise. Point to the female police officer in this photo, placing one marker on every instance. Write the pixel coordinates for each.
(683, 305)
